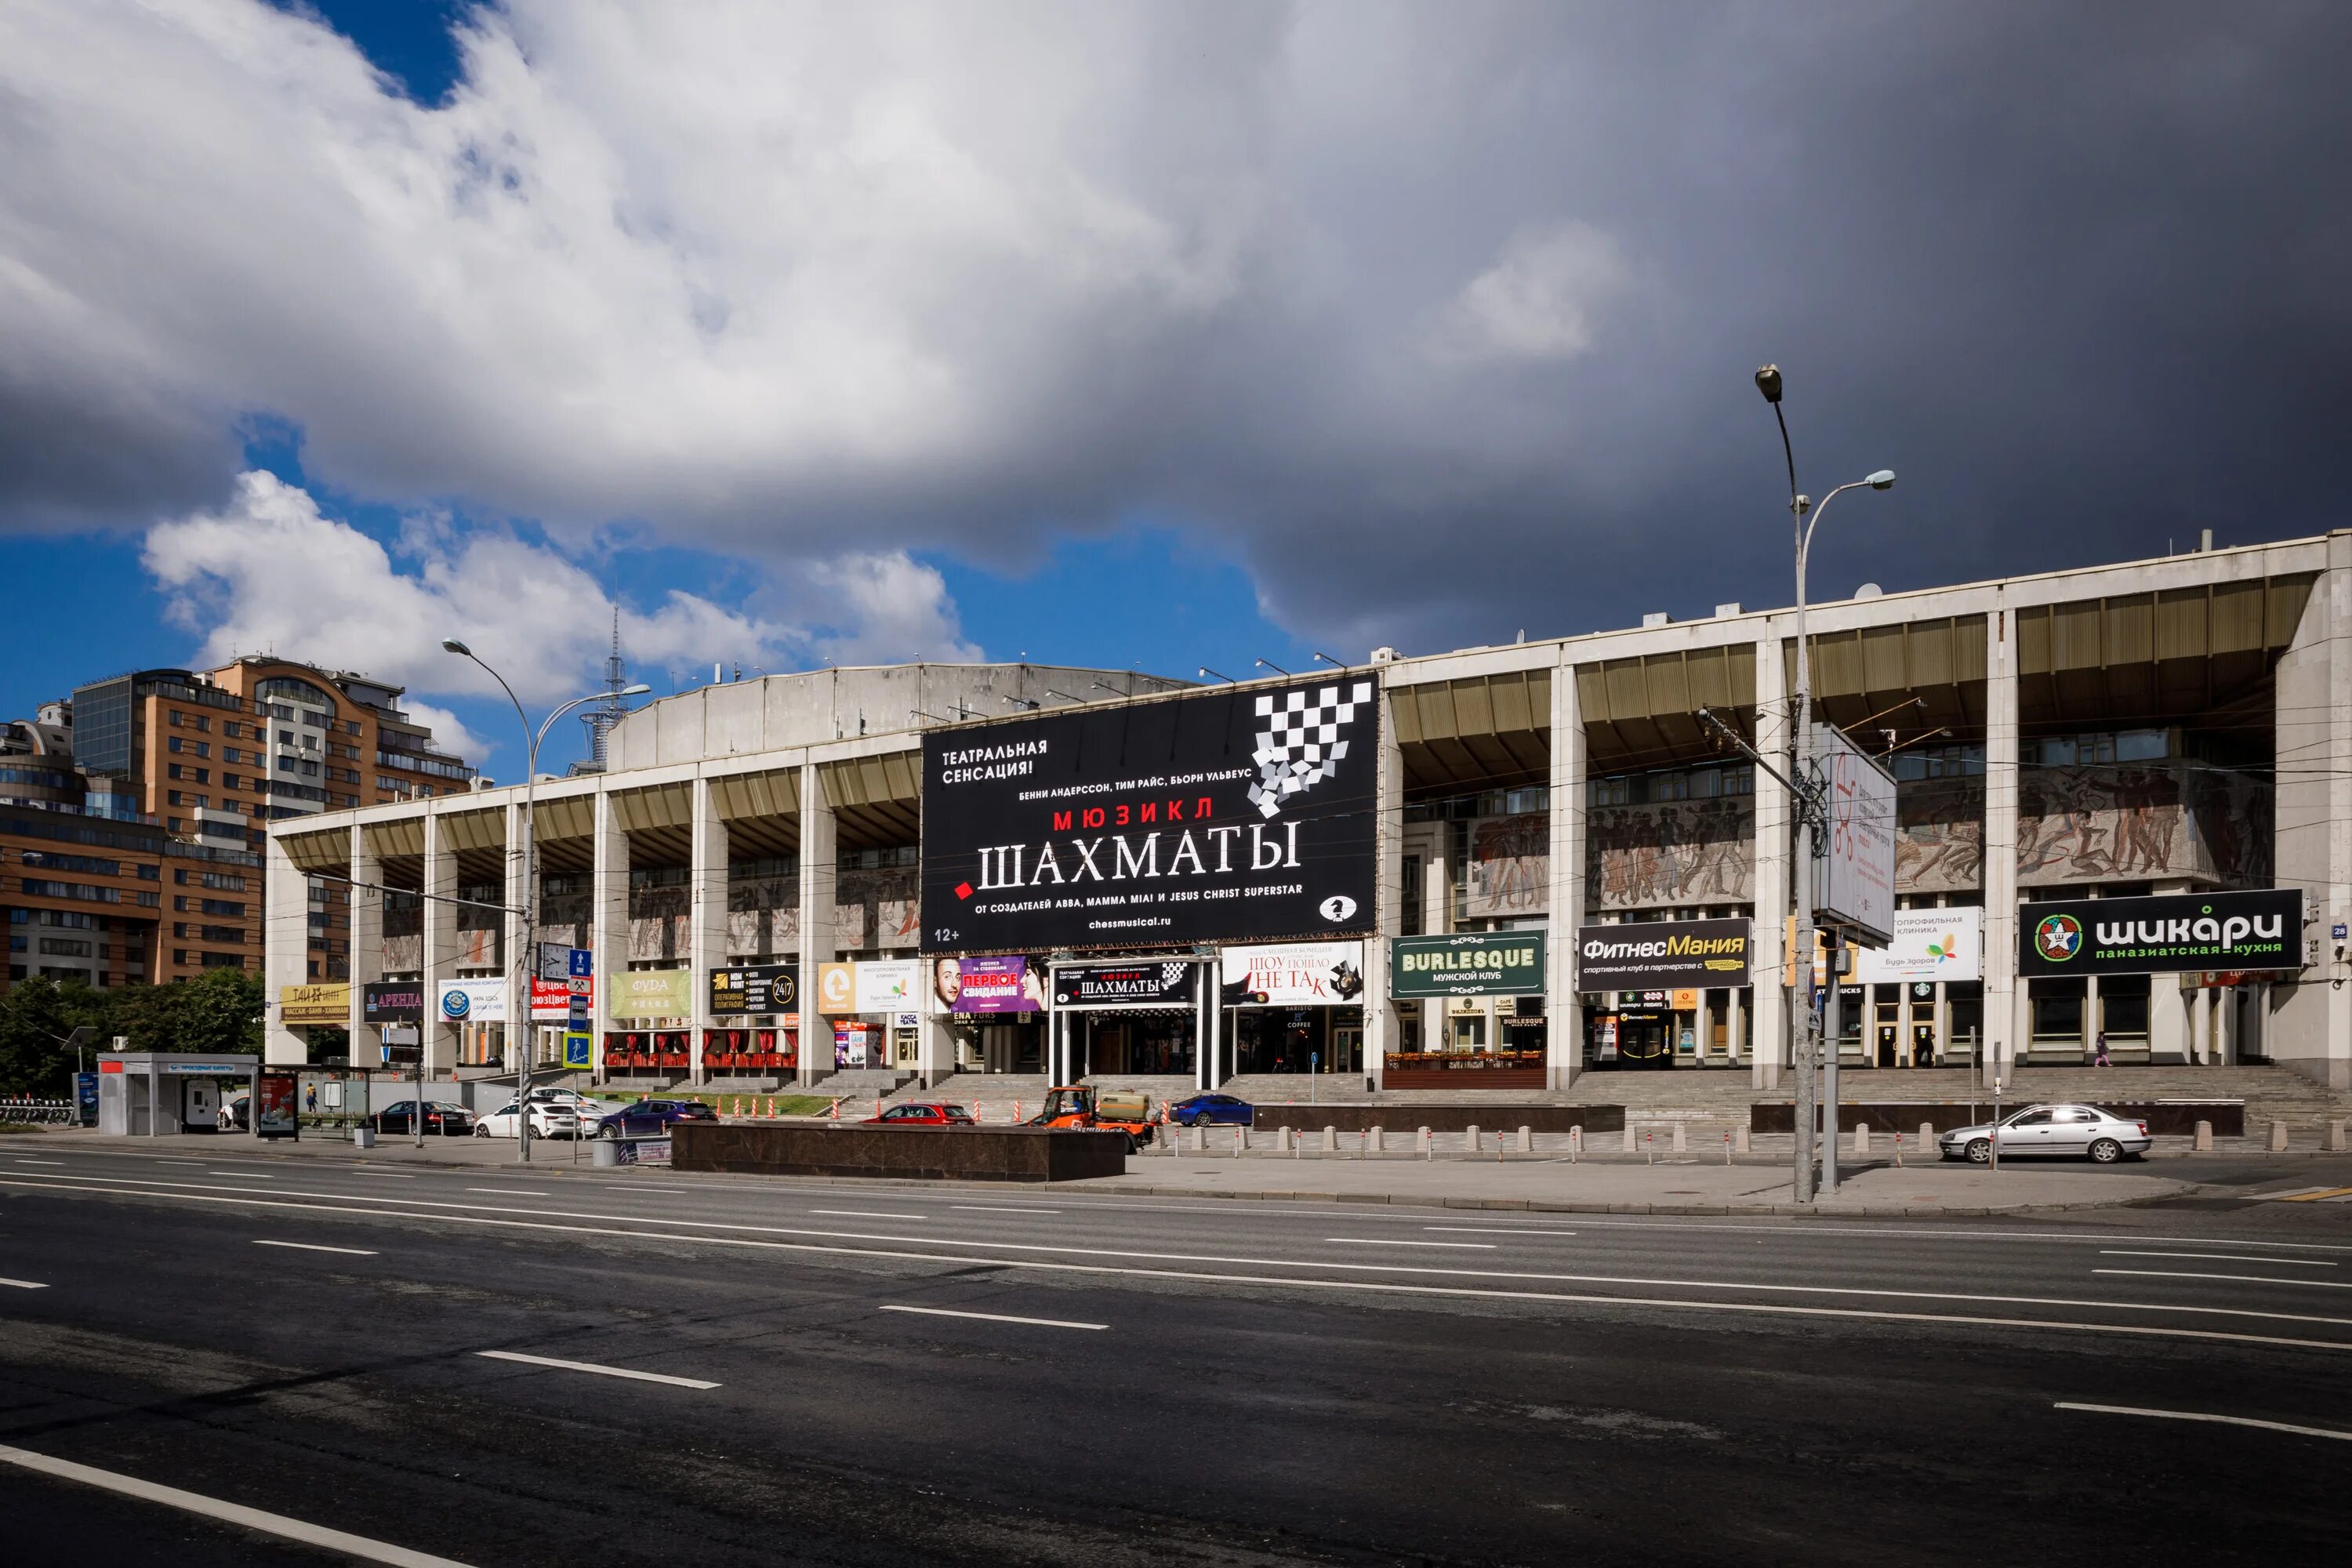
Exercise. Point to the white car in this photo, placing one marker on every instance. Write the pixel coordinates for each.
(2041, 1130)
(546, 1121)
(584, 1107)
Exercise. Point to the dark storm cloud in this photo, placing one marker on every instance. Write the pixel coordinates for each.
(1441, 318)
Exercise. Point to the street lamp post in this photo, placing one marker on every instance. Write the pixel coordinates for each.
(1802, 766)
(525, 970)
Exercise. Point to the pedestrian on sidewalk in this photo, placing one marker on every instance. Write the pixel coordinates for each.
(2099, 1052)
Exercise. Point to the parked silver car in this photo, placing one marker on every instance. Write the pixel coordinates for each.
(2079, 1130)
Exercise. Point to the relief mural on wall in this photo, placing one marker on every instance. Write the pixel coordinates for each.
(1671, 853)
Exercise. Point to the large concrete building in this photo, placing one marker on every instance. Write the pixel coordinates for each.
(2177, 726)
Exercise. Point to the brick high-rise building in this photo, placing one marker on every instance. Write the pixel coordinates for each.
(211, 757)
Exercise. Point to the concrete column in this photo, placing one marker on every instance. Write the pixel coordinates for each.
(1564, 1031)
(285, 949)
(518, 947)
(1388, 898)
(2006, 1023)
(439, 919)
(706, 925)
(2310, 1021)
(1735, 1030)
(2200, 1027)
(820, 844)
(608, 915)
(367, 941)
(1769, 1058)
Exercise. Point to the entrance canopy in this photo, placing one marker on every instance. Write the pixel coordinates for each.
(151, 1093)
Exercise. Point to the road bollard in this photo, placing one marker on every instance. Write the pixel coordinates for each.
(1727, 1148)
(1331, 1140)
(1898, 1151)
(2278, 1137)
(1630, 1144)
(1240, 1140)
(1741, 1140)
(2203, 1142)
(1376, 1141)
(2335, 1139)
(1681, 1140)
(1862, 1137)
(1428, 1145)
(1526, 1140)
(1649, 1150)
(1575, 1142)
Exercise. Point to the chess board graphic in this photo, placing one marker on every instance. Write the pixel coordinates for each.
(1301, 740)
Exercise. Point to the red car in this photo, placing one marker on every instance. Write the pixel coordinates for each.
(930, 1113)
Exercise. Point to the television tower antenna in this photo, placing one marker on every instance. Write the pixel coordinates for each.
(603, 717)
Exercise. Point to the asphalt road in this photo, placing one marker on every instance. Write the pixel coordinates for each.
(1197, 1382)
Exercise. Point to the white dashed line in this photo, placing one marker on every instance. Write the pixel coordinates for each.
(992, 1208)
(996, 1318)
(24, 1284)
(277, 1524)
(2224, 1257)
(869, 1214)
(2240, 1278)
(599, 1371)
(510, 1191)
(1383, 1241)
(314, 1247)
(1498, 1230)
(2201, 1415)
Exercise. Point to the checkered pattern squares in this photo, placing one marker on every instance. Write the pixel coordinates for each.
(1301, 740)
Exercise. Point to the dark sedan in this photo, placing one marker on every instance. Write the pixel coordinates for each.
(440, 1117)
(648, 1118)
(1212, 1110)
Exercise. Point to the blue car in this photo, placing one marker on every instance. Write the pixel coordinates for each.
(648, 1118)
(1212, 1110)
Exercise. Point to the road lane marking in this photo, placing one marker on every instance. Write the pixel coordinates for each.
(512, 1192)
(2202, 1415)
(993, 1209)
(28, 1160)
(243, 1175)
(2223, 1258)
(869, 1214)
(2241, 1278)
(24, 1284)
(314, 1247)
(396, 1175)
(996, 1318)
(1385, 1241)
(277, 1524)
(1498, 1230)
(1293, 1282)
(2328, 1195)
(600, 1371)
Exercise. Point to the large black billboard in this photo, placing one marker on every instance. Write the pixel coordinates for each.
(393, 1002)
(1238, 814)
(2172, 932)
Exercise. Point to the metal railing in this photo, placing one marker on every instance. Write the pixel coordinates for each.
(38, 1112)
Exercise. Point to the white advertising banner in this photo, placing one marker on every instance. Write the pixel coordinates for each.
(889, 984)
(1926, 945)
(470, 1001)
(1858, 866)
(1294, 974)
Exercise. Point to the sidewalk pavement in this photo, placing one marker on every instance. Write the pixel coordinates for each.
(1686, 1185)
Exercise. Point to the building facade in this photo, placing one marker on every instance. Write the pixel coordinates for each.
(2166, 728)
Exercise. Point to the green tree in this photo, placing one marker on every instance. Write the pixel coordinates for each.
(219, 1011)
(36, 1017)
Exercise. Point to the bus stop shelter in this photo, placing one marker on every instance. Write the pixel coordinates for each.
(151, 1094)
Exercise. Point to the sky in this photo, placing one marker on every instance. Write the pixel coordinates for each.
(1152, 335)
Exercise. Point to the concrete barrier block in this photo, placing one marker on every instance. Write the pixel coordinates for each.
(2335, 1138)
(1331, 1140)
(1862, 1137)
(1681, 1139)
(1198, 1137)
(1470, 1137)
(2278, 1137)
(1376, 1140)
(1630, 1143)
(2204, 1136)
(1926, 1135)
(1528, 1138)
(1742, 1142)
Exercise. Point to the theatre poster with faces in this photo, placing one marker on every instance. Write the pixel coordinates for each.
(1237, 813)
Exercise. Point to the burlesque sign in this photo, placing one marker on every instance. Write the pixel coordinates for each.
(1240, 813)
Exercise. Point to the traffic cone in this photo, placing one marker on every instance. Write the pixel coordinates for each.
(836, 1110)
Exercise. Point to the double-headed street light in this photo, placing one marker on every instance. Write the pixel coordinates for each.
(1805, 517)
(519, 1018)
